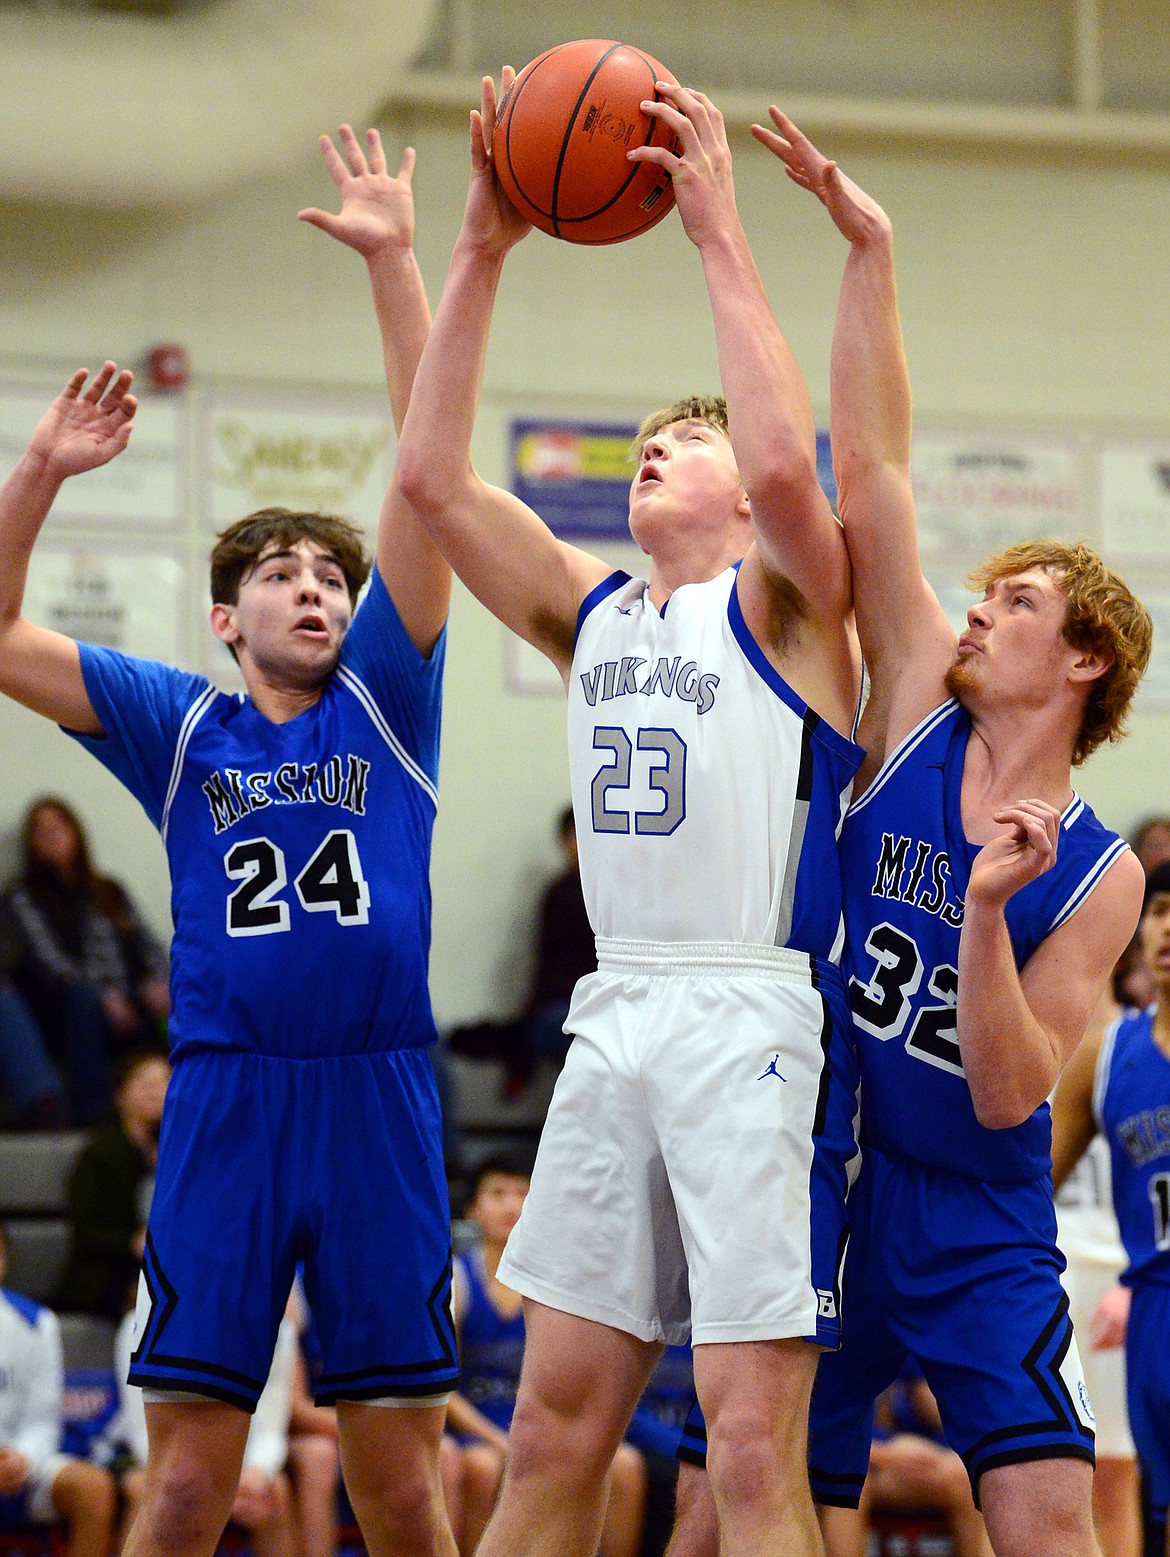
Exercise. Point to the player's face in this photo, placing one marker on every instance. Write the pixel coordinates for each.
(1014, 647)
(498, 1203)
(1154, 934)
(292, 613)
(687, 474)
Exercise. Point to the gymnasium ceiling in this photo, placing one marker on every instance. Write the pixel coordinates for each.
(166, 102)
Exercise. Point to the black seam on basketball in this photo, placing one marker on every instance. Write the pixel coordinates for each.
(582, 95)
(515, 92)
(635, 168)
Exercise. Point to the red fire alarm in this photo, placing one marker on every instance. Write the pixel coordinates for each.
(167, 366)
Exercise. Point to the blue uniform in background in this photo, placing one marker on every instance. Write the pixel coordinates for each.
(491, 1347)
(1131, 1100)
(302, 1122)
(952, 1257)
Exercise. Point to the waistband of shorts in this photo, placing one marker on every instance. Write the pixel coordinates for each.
(689, 959)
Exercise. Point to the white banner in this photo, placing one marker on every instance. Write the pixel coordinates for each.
(132, 600)
(1135, 500)
(978, 492)
(143, 486)
(315, 455)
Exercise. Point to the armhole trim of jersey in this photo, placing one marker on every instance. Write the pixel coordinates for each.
(377, 719)
(190, 719)
(1081, 891)
(815, 726)
(613, 581)
(1101, 1073)
(903, 749)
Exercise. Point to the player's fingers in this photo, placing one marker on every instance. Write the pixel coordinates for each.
(682, 126)
(406, 166)
(800, 178)
(322, 219)
(73, 387)
(776, 144)
(507, 76)
(659, 154)
(488, 111)
(479, 154)
(352, 149)
(101, 381)
(117, 389)
(337, 169)
(375, 156)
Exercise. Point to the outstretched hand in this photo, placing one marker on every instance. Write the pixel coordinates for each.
(490, 220)
(699, 162)
(79, 431)
(1024, 848)
(857, 216)
(377, 210)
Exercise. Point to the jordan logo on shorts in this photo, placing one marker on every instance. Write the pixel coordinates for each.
(772, 1071)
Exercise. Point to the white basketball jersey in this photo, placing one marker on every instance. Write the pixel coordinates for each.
(708, 795)
(1087, 1226)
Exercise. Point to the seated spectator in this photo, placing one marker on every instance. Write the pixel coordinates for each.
(263, 1505)
(655, 1429)
(38, 1484)
(565, 952)
(28, 1078)
(1151, 842)
(314, 1465)
(490, 1326)
(92, 973)
(108, 1194)
(911, 1470)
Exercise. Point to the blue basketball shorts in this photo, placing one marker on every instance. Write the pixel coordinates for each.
(964, 1277)
(1147, 1375)
(265, 1163)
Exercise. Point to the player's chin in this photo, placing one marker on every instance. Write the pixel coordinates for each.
(961, 679)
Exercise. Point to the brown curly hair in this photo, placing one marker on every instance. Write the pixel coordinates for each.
(1103, 617)
(239, 548)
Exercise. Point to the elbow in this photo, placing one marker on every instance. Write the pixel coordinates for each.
(788, 474)
(1001, 1113)
(417, 480)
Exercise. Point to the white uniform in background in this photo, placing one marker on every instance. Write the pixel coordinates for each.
(692, 1171)
(1088, 1238)
(267, 1446)
(30, 1397)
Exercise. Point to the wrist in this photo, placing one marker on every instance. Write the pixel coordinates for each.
(391, 255)
(37, 469)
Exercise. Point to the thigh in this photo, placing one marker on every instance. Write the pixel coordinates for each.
(378, 1242)
(1148, 1384)
(598, 1237)
(221, 1245)
(756, 1129)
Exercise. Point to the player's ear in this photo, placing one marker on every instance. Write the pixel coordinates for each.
(223, 623)
(1090, 665)
(743, 507)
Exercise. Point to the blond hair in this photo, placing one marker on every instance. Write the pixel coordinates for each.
(1103, 616)
(711, 409)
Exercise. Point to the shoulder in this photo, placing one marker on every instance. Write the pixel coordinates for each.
(33, 1315)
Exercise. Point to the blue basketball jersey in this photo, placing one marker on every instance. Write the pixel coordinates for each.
(1131, 1099)
(491, 1347)
(905, 865)
(298, 852)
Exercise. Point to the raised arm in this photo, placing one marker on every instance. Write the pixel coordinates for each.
(79, 432)
(377, 219)
(500, 549)
(770, 417)
(1017, 1030)
(904, 633)
(1073, 1125)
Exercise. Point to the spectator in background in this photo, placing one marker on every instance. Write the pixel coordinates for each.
(565, 952)
(1151, 842)
(263, 1505)
(490, 1326)
(38, 1484)
(29, 1081)
(108, 1195)
(93, 974)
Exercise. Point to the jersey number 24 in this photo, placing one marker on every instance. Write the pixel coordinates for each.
(331, 882)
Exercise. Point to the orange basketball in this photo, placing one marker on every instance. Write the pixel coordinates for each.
(562, 133)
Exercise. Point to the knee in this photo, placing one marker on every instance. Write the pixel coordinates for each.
(558, 1436)
(184, 1503)
(84, 1492)
(402, 1493)
(747, 1452)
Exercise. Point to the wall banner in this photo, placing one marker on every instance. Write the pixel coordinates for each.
(976, 492)
(575, 475)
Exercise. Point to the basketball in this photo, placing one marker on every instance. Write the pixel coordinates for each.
(562, 133)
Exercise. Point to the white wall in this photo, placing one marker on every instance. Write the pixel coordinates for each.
(1030, 290)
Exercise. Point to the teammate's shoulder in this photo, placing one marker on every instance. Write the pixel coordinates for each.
(33, 1314)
